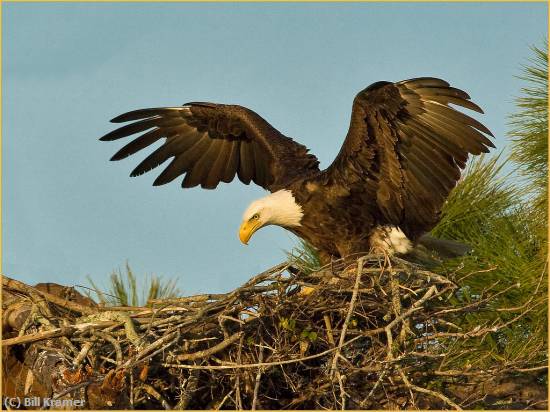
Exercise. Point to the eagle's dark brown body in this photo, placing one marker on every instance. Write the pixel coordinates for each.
(402, 155)
(340, 225)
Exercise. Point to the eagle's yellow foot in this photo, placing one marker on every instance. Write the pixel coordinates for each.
(306, 291)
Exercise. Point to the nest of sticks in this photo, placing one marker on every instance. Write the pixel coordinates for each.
(373, 334)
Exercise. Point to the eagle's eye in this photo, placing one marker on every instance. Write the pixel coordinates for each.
(256, 216)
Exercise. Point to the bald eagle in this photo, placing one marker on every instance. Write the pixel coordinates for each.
(403, 153)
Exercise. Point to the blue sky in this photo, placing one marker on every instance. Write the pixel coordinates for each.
(68, 68)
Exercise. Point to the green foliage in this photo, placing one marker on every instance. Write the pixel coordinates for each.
(305, 257)
(504, 218)
(308, 335)
(486, 211)
(288, 324)
(529, 126)
(124, 290)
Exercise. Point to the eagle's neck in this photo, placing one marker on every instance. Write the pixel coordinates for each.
(282, 209)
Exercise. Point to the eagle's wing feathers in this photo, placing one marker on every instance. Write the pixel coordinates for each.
(211, 143)
(406, 147)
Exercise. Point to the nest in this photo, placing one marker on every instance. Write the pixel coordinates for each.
(369, 335)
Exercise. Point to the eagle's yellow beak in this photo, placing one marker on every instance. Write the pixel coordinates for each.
(247, 229)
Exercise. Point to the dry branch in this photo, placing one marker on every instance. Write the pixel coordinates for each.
(269, 344)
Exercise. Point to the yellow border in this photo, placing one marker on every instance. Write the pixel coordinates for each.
(1, 159)
(275, 1)
(548, 208)
(1, 203)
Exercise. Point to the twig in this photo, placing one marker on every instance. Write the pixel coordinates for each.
(187, 392)
(140, 355)
(238, 380)
(330, 338)
(258, 365)
(371, 392)
(342, 390)
(112, 341)
(55, 333)
(210, 351)
(73, 388)
(258, 377)
(218, 407)
(155, 394)
(348, 316)
(82, 354)
(430, 392)
(30, 319)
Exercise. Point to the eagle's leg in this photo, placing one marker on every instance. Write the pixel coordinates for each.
(325, 258)
(389, 240)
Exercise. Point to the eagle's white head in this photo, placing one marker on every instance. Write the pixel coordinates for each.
(279, 208)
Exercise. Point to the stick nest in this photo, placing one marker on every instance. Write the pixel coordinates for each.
(377, 333)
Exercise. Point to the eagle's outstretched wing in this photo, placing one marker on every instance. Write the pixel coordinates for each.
(211, 143)
(405, 149)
